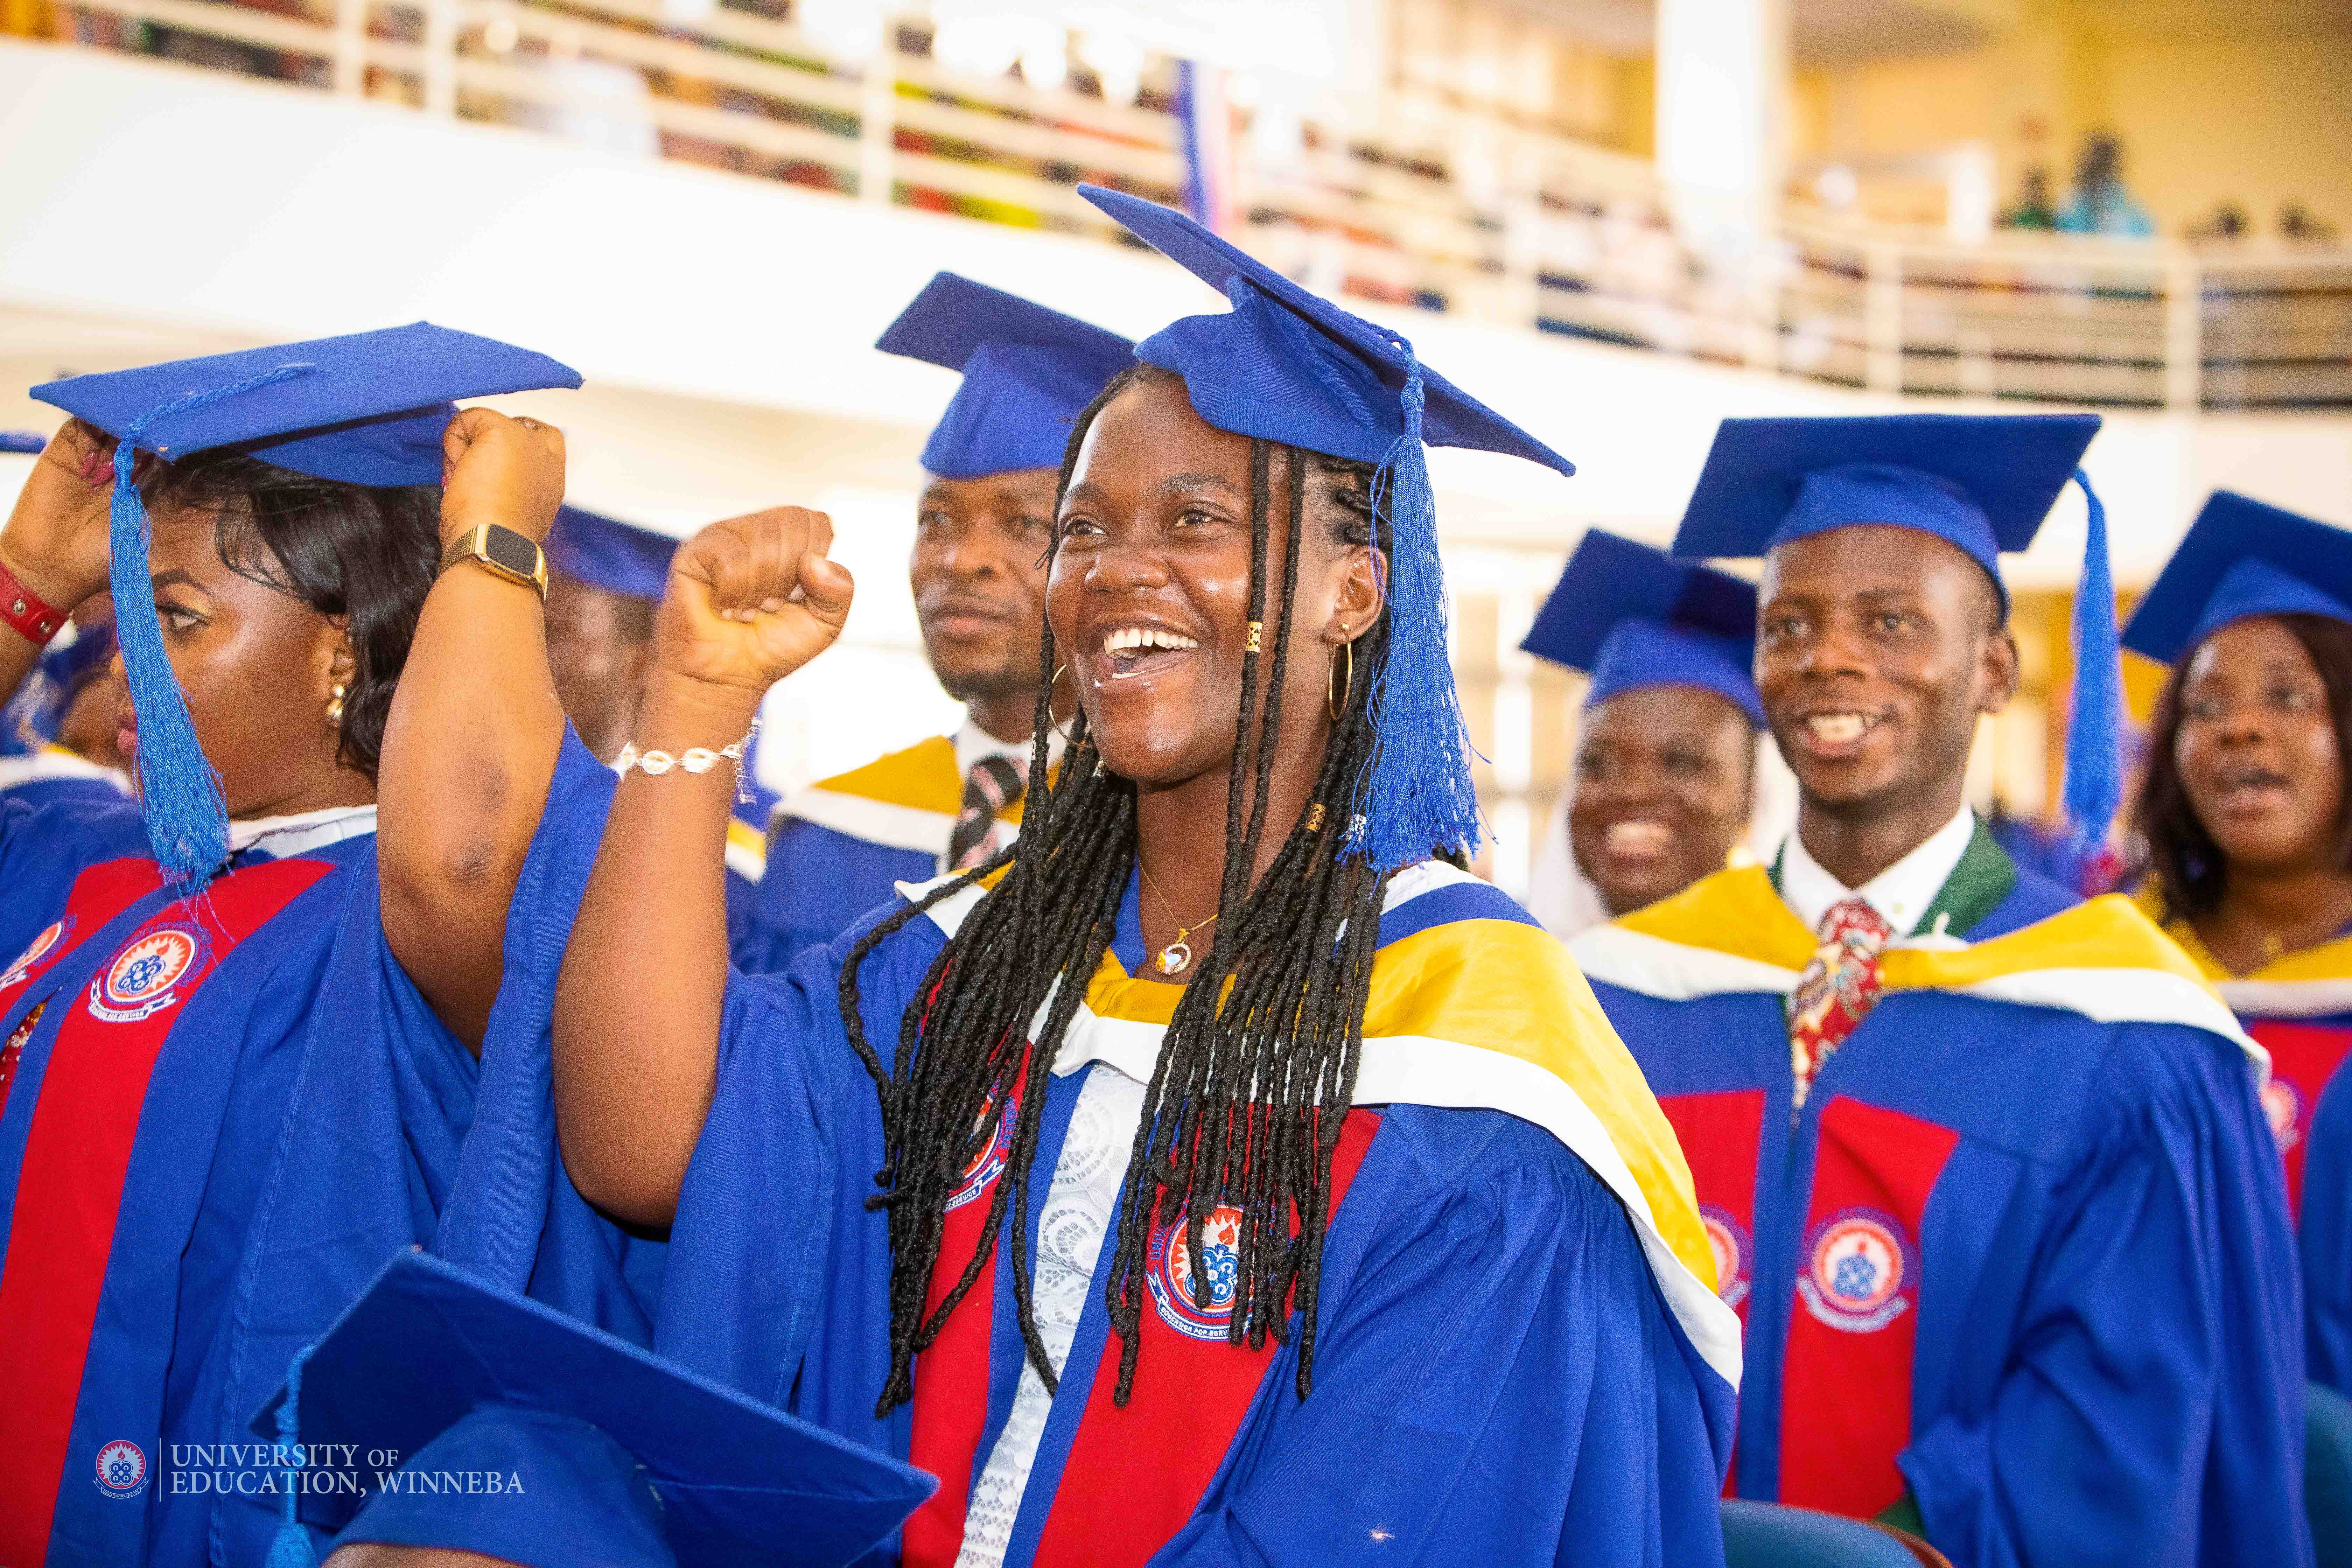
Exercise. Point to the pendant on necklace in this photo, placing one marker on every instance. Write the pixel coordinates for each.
(1173, 958)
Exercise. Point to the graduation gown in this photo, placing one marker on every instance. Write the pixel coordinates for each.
(2299, 1008)
(840, 848)
(1520, 1357)
(747, 863)
(50, 773)
(226, 1112)
(2023, 1252)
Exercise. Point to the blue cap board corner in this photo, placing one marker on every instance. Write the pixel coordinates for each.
(1028, 373)
(605, 552)
(367, 408)
(2242, 558)
(620, 1455)
(22, 442)
(1286, 366)
(1982, 483)
(1632, 617)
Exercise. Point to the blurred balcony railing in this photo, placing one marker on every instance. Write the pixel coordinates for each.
(1509, 224)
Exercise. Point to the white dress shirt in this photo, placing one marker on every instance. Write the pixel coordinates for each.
(1901, 893)
(972, 743)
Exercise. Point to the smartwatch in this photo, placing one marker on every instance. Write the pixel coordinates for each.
(514, 556)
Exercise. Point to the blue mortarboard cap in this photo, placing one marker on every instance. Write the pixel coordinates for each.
(2242, 558)
(1630, 618)
(429, 1355)
(607, 554)
(27, 442)
(1286, 366)
(1983, 482)
(1028, 373)
(566, 1494)
(365, 409)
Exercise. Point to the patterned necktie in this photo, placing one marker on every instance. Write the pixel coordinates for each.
(992, 785)
(1838, 988)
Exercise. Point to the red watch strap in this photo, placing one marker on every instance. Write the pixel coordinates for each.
(26, 611)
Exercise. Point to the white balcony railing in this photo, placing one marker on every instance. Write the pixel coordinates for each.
(1515, 225)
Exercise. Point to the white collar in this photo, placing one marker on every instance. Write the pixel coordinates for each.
(281, 837)
(1901, 893)
(972, 743)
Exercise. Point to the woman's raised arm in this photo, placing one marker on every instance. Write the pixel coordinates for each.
(55, 544)
(638, 1009)
(471, 742)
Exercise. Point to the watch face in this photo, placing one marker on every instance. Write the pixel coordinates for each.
(510, 551)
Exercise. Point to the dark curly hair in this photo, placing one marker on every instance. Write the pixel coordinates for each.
(357, 551)
(2191, 871)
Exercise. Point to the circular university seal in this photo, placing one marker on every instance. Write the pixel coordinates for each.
(1728, 1238)
(1169, 1270)
(1861, 1271)
(121, 1468)
(141, 979)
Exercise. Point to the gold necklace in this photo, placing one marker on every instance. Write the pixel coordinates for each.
(1177, 956)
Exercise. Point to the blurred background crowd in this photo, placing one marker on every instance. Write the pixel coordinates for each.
(1621, 219)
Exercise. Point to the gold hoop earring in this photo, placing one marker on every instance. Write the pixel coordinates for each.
(335, 707)
(1056, 724)
(1338, 703)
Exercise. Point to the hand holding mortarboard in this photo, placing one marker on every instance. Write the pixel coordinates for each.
(502, 470)
(56, 541)
(752, 599)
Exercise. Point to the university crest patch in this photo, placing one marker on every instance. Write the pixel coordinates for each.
(1169, 1270)
(1861, 1271)
(143, 977)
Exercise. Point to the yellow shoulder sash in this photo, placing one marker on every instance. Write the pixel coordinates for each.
(1731, 933)
(1483, 1013)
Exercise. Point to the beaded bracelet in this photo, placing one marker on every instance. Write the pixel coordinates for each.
(694, 759)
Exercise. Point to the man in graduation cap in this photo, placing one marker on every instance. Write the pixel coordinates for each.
(2248, 823)
(1985, 1164)
(604, 579)
(840, 848)
(1666, 750)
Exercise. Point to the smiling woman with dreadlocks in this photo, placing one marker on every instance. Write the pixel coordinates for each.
(1219, 1174)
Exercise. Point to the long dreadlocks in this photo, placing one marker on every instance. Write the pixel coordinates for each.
(1246, 1100)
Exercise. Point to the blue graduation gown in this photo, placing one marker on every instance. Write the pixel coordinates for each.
(48, 773)
(305, 1117)
(841, 847)
(1513, 1363)
(2298, 1007)
(2024, 1253)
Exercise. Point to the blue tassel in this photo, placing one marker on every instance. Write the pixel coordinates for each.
(291, 1548)
(187, 820)
(2094, 765)
(1415, 798)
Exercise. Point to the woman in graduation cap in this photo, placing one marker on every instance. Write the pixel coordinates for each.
(236, 1013)
(2248, 820)
(1665, 764)
(1254, 1183)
